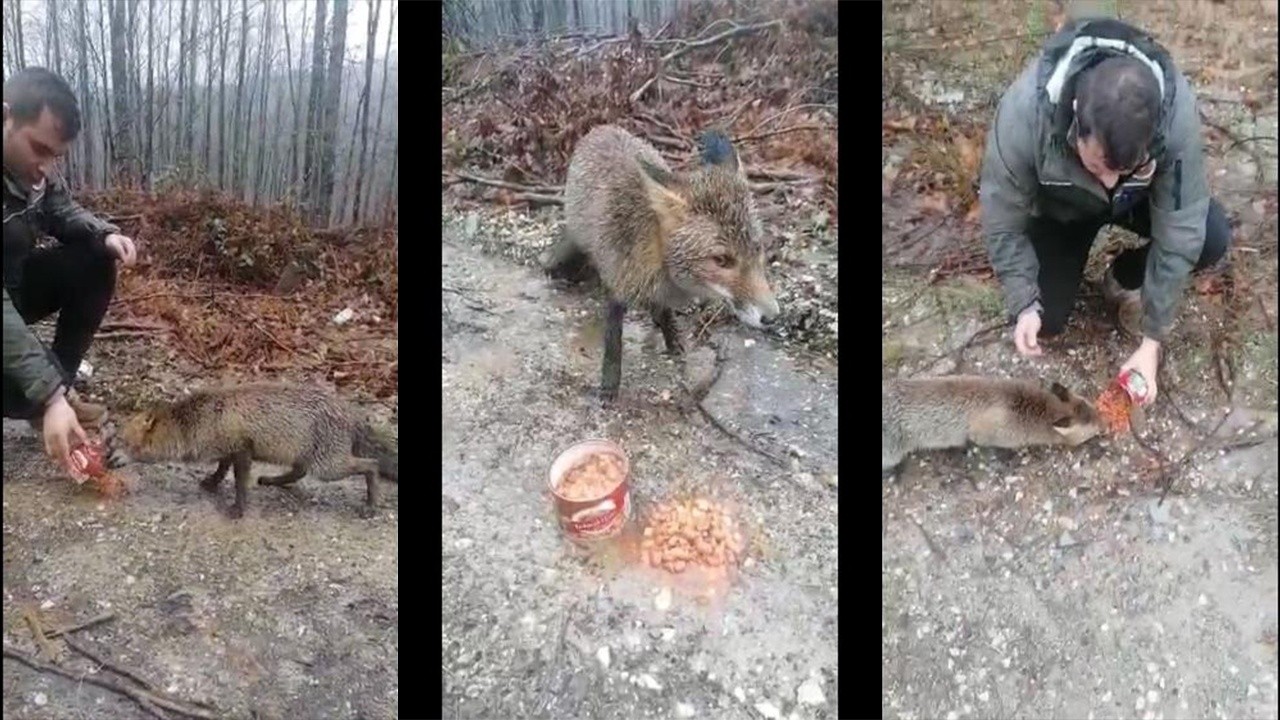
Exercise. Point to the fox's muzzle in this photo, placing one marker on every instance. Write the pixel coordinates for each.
(759, 305)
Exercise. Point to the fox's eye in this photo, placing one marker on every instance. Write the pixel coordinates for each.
(724, 260)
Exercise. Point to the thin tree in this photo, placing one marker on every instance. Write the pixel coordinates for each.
(314, 108)
(84, 91)
(265, 154)
(222, 97)
(237, 163)
(333, 95)
(151, 94)
(382, 98)
(179, 153)
(208, 91)
(363, 108)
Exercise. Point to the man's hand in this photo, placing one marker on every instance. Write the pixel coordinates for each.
(60, 428)
(122, 248)
(1025, 332)
(1146, 360)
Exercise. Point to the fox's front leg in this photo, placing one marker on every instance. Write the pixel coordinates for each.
(611, 370)
(665, 319)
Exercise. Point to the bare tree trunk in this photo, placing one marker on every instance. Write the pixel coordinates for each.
(151, 95)
(389, 200)
(57, 42)
(263, 156)
(237, 162)
(109, 154)
(208, 91)
(183, 49)
(362, 121)
(382, 99)
(328, 144)
(194, 50)
(314, 110)
(48, 41)
(84, 92)
(271, 176)
(17, 27)
(222, 96)
(290, 176)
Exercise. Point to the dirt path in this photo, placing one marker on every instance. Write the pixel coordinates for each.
(288, 613)
(531, 630)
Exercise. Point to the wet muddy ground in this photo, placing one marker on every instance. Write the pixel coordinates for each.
(290, 612)
(532, 629)
(1053, 582)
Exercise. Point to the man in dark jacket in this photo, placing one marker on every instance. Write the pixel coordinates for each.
(75, 278)
(1101, 128)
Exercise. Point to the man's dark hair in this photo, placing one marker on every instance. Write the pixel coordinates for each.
(1118, 101)
(33, 89)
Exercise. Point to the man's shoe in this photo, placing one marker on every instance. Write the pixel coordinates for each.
(1127, 305)
(90, 415)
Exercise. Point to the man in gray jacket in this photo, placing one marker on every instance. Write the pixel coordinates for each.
(75, 278)
(1101, 128)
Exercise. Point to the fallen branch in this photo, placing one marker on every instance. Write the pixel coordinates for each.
(766, 173)
(783, 113)
(794, 128)
(536, 198)
(119, 334)
(147, 700)
(683, 81)
(508, 185)
(105, 617)
(733, 32)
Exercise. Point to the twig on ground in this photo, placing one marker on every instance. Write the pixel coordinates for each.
(928, 539)
(508, 185)
(91, 622)
(147, 700)
(785, 111)
(761, 136)
(122, 334)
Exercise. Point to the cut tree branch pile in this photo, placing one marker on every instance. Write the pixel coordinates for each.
(768, 82)
(237, 288)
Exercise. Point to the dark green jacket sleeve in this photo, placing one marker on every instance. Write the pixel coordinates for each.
(1179, 208)
(25, 362)
(1007, 194)
(69, 222)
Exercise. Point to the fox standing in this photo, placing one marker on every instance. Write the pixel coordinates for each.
(950, 411)
(303, 426)
(659, 239)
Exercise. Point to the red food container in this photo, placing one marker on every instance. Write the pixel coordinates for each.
(1134, 385)
(87, 462)
(588, 520)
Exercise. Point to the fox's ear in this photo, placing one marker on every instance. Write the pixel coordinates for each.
(666, 193)
(1063, 424)
(1060, 392)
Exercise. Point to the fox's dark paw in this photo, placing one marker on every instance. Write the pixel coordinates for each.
(367, 512)
(607, 396)
(210, 483)
(235, 512)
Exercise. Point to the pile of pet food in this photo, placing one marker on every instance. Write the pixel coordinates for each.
(592, 478)
(687, 533)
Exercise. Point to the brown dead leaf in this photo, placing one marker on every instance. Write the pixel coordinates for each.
(970, 154)
(907, 124)
(935, 203)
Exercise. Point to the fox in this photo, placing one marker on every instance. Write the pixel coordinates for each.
(303, 426)
(953, 410)
(659, 239)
